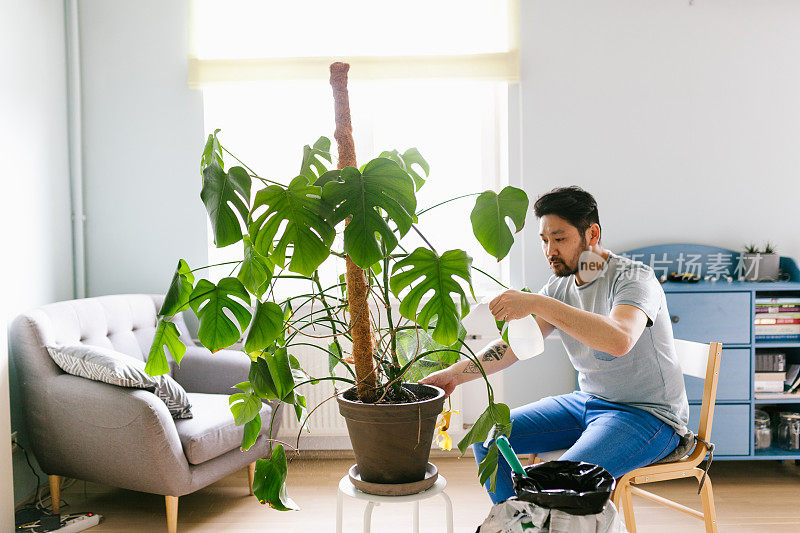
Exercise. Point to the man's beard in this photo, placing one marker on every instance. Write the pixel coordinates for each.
(561, 270)
(565, 270)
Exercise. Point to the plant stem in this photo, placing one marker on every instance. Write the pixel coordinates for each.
(474, 358)
(414, 227)
(490, 277)
(448, 201)
(395, 381)
(330, 353)
(253, 172)
(388, 303)
(330, 378)
(328, 310)
(214, 265)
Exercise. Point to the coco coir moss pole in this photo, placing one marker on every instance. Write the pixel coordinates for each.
(357, 286)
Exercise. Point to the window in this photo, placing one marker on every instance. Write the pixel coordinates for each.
(268, 108)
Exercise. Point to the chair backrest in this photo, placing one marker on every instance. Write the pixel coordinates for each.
(702, 361)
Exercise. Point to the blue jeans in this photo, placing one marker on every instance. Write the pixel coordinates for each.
(617, 437)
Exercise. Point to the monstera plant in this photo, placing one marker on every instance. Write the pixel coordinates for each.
(289, 232)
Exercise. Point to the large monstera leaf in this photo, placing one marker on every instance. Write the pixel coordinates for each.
(382, 188)
(496, 418)
(313, 166)
(166, 336)
(212, 152)
(307, 227)
(488, 219)
(407, 160)
(269, 483)
(179, 292)
(411, 343)
(224, 195)
(425, 272)
(266, 326)
(256, 270)
(209, 302)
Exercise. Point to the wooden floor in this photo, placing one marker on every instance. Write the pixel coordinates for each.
(754, 496)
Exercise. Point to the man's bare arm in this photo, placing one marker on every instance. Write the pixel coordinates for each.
(614, 334)
(495, 357)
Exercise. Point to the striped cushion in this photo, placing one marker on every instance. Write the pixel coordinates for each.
(115, 368)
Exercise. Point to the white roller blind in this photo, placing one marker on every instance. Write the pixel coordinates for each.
(251, 40)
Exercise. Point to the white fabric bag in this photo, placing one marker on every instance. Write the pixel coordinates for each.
(516, 516)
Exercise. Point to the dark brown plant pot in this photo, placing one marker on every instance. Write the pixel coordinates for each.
(392, 442)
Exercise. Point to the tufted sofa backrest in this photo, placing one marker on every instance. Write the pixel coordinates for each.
(125, 323)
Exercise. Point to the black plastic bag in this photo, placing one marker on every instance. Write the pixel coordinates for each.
(576, 488)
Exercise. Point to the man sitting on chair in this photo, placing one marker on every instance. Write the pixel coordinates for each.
(612, 314)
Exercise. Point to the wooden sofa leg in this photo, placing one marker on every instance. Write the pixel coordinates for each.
(55, 492)
(172, 514)
(251, 475)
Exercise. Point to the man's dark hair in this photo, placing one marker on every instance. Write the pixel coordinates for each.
(573, 204)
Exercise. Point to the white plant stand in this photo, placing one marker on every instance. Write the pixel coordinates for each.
(346, 488)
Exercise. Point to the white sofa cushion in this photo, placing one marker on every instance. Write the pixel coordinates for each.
(213, 432)
(116, 368)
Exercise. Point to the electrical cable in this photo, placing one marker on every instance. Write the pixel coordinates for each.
(38, 501)
(38, 480)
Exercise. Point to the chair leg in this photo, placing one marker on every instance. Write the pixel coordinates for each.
(616, 496)
(251, 475)
(172, 514)
(55, 492)
(709, 511)
(627, 507)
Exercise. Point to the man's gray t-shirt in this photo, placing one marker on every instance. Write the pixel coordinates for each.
(649, 376)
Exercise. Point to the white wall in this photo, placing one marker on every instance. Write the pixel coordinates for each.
(34, 207)
(683, 121)
(142, 140)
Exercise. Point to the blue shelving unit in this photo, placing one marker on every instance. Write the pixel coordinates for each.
(723, 312)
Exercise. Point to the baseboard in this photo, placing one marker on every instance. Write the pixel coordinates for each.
(312, 454)
(341, 443)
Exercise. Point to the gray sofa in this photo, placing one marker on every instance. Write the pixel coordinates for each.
(126, 437)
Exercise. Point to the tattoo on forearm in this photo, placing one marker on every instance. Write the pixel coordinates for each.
(493, 352)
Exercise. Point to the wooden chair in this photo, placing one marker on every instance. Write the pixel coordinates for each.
(702, 361)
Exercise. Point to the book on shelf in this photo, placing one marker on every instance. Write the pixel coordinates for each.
(792, 378)
(788, 300)
(777, 396)
(792, 373)
(777, 338)
(768, 386)
(770, 376)
(778, 329)
(770, 361)
(782, 314)
(777, 319)
(777, 305)
(777, 309)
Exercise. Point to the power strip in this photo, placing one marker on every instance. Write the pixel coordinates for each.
(78, 522)
(39, 521)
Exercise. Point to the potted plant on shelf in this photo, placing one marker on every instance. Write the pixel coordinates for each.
(288, 232)
(760, 265)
